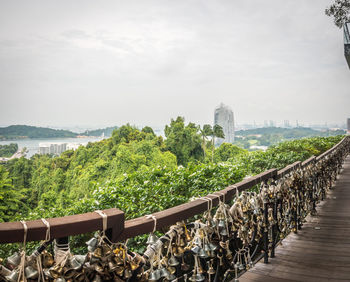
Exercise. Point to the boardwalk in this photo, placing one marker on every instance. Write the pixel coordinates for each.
(321, 250)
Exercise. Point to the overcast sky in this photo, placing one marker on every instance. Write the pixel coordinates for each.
(101, 63)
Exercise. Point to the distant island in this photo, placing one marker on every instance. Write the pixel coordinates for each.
(98, 132)
(15, 132)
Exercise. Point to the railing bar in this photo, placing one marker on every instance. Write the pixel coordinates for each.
(308, 161)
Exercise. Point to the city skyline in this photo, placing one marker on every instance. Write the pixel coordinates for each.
(238, 126)
(141, 63)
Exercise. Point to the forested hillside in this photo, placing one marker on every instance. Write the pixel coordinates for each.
(290, 133)
(25, 131)
(268, 136)
(137, 171)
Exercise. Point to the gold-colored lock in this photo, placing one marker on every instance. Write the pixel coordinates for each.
(182, 242)
(48, 259)
(172, 269)
(134, 265)
(118, 260)
(98, 252)
(56, 271)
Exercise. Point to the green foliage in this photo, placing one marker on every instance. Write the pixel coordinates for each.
(8, 150)
(206, 131)
(148, 129)
(218, 131)
(54, 184)
(25, 131)
(184, 141)
(128, 133)
(150, 190)
(287, 152)
(10, 198)
(227, 151)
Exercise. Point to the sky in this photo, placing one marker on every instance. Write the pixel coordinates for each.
(103, 63)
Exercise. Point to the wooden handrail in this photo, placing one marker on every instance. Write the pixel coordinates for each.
(289, 168)
(11, 232)
(308, 161)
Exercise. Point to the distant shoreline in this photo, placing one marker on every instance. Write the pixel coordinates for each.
(26, 132)
(33, 144)
(34, 138)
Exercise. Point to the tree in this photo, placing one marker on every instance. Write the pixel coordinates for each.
(184, 141)
(127, 133)
(10, 198)
(217, 132)
(227, 151)
(149, 130)
(206, 131)
(340, 10)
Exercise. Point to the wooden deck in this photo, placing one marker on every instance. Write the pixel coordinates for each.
(321, 250)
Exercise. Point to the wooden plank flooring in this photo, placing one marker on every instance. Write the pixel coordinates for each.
(321, 254)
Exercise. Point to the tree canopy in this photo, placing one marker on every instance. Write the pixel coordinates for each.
(184, 141)
(340, 11)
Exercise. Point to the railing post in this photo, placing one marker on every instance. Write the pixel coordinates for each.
(323, 186)
(266, 226)
(313, 195)
(300, 187)
(266, 233)
(274, 228)
(295, 212)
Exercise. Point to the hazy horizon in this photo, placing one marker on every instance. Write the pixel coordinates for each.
(82, 128)
(91, 65)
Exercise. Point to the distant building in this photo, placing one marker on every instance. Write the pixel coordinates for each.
(348, 125)
(286, 123)
(223, 116)
(52, 148)
(44, 149)
(73, 146)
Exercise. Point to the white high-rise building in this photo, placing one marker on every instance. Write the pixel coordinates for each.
(52, 148)
(223, 116)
